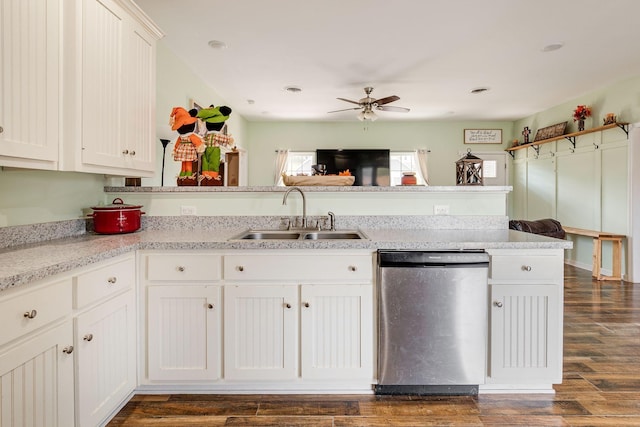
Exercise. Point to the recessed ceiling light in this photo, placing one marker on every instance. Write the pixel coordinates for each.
(553, 46)
(217, 44)
(479, 90)
(293, 89)
(250, 101)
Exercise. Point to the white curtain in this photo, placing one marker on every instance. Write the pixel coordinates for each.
(422, 155)
(281, 164)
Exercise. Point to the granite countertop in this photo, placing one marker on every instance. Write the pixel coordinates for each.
(26, 263)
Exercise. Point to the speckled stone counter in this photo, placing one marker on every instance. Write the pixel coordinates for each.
(26, 263)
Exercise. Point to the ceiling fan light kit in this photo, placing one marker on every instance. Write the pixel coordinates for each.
(367, 104)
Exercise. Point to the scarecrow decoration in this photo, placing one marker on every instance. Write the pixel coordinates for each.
(188, 145)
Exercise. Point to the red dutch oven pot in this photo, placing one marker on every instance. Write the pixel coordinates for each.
(116, 218)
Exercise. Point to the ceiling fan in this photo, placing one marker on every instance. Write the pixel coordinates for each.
(367, 105)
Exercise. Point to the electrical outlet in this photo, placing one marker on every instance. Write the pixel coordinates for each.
(441, 209)
(188, 210)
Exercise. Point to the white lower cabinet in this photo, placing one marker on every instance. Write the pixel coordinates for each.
(336, 332)
(36, 380)
(105, 338)
(300, 316)
(261, 330)
(526, 319)
(183, 333)
(106, 361)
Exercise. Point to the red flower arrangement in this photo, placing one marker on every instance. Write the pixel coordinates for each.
(581, 112)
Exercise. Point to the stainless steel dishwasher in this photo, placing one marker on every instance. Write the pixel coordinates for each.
(432, 318)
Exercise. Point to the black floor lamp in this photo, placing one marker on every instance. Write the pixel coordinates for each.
(164, 142)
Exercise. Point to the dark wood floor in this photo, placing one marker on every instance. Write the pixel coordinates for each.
(601, 384)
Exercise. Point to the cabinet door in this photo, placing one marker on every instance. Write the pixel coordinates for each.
(105, 343)
(337, 332)
(183, 327)
(102, 83)
(526, 331)
(139, 101)
(36, 380)
(29, 70)
(261, 329)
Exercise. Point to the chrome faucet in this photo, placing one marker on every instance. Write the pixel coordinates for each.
(332, 221)
(304, 204)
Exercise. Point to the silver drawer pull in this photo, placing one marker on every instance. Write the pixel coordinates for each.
(497, 304)
(210, 306)
(30, 314)
(306, 304)
(68, 349)
(125, 151)
(526, 268)
(133, 153)
(180, 268)
(240, 268)
(353, 268)
(88, 337)
(112, 280)
(287, 305)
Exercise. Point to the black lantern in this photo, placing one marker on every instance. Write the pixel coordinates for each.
(469, 170)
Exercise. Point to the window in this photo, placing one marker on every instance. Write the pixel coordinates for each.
(299, 162)
(404, 162)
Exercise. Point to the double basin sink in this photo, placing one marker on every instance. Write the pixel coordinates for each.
(300, 235)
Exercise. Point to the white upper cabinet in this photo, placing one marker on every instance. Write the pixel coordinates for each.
(30, 83)
(110, 127)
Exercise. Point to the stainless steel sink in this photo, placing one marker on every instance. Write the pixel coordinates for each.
(331, 235)
(268, 235)
(300, 235)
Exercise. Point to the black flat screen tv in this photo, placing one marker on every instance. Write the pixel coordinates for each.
(370, 167)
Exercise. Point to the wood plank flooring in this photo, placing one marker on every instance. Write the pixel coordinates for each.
(601, 385)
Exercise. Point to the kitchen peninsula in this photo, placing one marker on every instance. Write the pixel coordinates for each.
(212, 309)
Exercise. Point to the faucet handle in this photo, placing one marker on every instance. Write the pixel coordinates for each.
(332, 220)
(286, 222)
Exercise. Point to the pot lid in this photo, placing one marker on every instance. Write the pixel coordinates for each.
(116, 204)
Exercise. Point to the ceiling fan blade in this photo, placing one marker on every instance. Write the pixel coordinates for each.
(348, 100)
(390, 108)
(387, 100)
(346, 109)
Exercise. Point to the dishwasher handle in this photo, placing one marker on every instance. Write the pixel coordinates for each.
(389, 258)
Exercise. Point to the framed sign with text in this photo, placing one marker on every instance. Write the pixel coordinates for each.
(483, 136)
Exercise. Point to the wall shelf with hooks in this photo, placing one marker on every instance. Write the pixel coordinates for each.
(571, 137)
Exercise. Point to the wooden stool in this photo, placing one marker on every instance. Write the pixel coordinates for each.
(598, 238)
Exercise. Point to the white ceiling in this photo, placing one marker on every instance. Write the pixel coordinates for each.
(430, 53)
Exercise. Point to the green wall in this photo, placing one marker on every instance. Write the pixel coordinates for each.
(444, 139)
(586, 186)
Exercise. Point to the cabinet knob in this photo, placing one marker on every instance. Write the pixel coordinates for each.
(210, 306)
(88, 337)
(306, 304)
(112, 280)
(180, 268)
(68, 349)
(498, 304)
(125, 152)
(352, 268)
(132, 152)
(1, 129)
(287, 305)
(240, 268)
(526, 268)
(30, 314)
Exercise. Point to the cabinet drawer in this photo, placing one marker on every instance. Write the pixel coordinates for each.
(26, 312)
(184, 267)
(532, 267)
(103, 281)
(298, 268)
